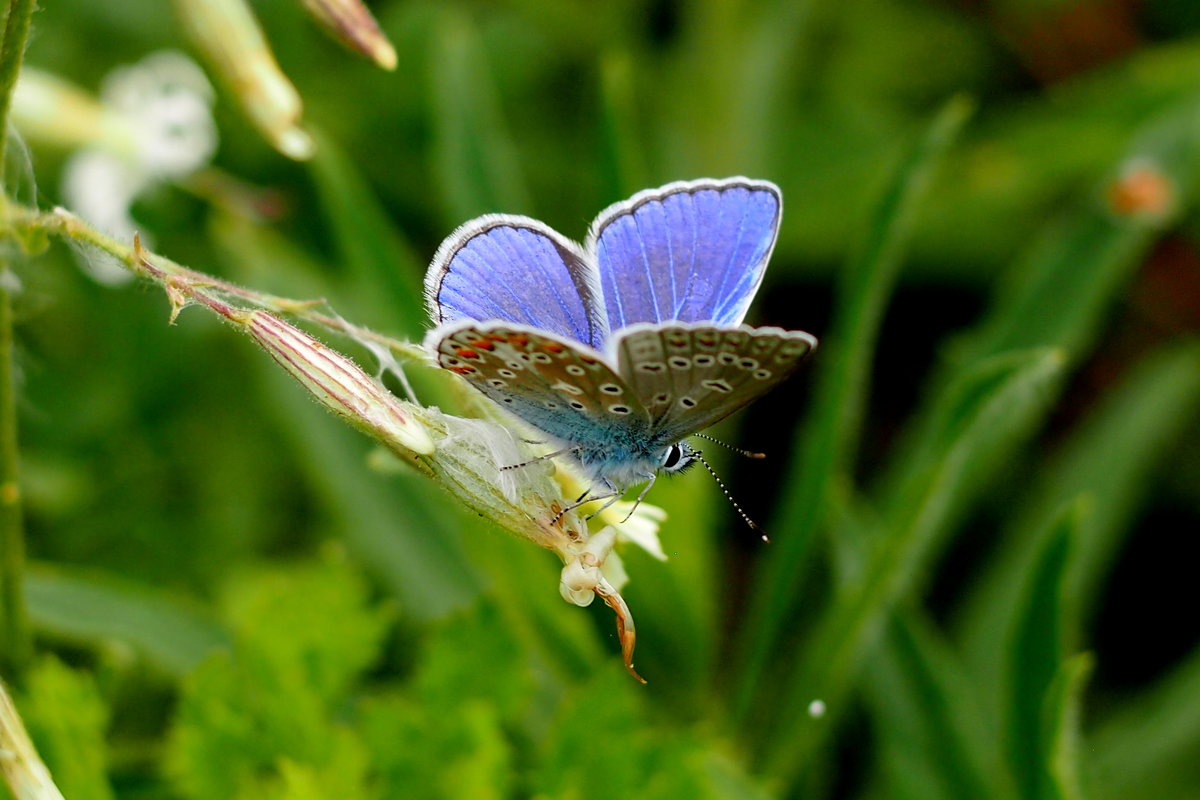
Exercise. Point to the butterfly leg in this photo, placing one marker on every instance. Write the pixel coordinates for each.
(611, 496)
(653, 476)
(546, 457)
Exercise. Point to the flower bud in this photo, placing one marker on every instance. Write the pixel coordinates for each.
(339, 384)
(24, 773)
(350, 22)
(232, 40)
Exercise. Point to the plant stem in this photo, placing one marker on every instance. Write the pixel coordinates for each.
(12, 51)
(15, 643)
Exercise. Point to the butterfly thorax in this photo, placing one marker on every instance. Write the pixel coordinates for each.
(627, 466)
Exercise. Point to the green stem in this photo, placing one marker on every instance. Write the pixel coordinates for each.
(12, 51)
(15, 642)
(15, 646)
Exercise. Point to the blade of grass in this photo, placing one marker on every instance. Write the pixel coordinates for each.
(90, 608)
(1108, 457)
(1059, 294)
(385, 274)
(994, 396)
(1062, 727)
(928, 716)
(474, 159)
(1035, 657)
(829, 440)
(623, 162)
(1061, 291)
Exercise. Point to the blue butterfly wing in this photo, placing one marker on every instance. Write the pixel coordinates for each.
(559, 387)
(691, 376)
(693, 251)
(516, 269)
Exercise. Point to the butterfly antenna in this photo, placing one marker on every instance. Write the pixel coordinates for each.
(746, 517)
(738, 450)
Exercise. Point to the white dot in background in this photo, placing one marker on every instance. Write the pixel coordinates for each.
(816, 709)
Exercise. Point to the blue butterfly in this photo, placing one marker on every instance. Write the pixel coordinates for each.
(620, 349)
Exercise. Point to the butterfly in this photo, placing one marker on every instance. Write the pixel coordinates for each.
(619, 349)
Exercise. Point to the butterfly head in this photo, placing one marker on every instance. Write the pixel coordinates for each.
(678, 457)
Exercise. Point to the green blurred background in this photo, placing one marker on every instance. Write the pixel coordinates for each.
(983, 520)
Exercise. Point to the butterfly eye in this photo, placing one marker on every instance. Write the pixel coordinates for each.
(671, 457)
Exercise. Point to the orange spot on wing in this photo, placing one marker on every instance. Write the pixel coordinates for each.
(463, 370)
(483, 344)
(466, 352)
(553, 347)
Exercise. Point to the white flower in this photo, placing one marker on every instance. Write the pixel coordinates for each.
(167, 104)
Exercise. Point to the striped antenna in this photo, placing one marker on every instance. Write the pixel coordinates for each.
(738, 450)
(746, 517)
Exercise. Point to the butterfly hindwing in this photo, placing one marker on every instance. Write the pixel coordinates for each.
(516, 269)
(564, 389)
(691, 376)
(688, 252)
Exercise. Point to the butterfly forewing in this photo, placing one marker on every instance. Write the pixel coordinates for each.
(562, 389)
(692, 376)
(517, 270)
(687, 252)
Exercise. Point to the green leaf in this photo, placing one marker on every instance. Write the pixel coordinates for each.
(1036, 657)
(385, 274)
(1062, 727)
(92, 608)
(442, 752)
(1060, 292)
(827, 446)
(306, 625)
(623, 170)
(988, 402)
(934, 738)
(474, 158)
(1109, 458)
(67, 720)
(267, 713)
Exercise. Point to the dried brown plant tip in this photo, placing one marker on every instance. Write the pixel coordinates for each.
(351, 23)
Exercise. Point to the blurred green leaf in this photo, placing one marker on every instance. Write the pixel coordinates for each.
(1059, 292)
(993, 397)
(384, 273)
(1036, 657)
(67, 720)
(266, 712)
(308, 625)
(90, 608)
(1062, 727)
(828, 442)
(474, 159)
(447, 736)
(935, 739)
(1108, 457)
(624, 169)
